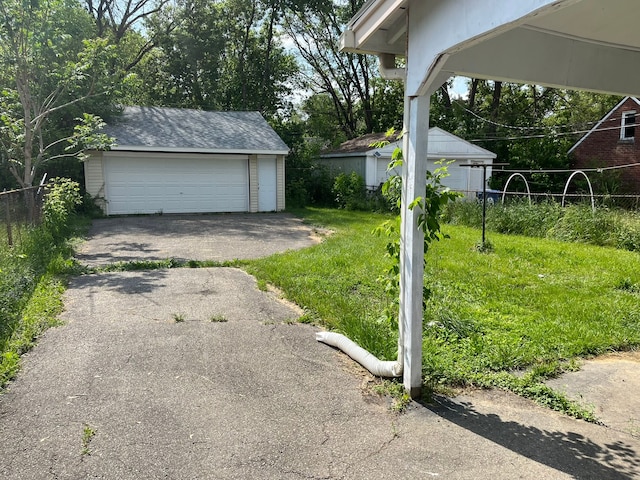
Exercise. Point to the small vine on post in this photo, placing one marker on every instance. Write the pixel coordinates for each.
(430, 206)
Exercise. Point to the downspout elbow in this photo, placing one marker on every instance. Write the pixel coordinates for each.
(388, 69)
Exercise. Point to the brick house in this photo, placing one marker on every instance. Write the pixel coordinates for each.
(613, 141)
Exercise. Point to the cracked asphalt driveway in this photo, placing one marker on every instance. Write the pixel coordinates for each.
(236, 389)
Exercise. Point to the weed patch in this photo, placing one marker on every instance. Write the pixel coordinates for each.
(394, 389)
(87, 435)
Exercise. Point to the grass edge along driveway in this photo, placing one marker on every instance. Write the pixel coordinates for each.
(510, 319)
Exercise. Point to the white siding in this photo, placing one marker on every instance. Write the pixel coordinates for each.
(94, 179)
(253, 183)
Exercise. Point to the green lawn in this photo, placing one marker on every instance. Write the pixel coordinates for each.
(531, 304)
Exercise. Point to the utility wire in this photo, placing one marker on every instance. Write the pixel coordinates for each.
(550, 134)
(542, 127)
(563, 170)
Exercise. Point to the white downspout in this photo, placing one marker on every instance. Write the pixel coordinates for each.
(377, 367)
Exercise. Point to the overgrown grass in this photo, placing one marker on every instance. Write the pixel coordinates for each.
(507, 318)
(31, 291)
(530, 303)
(574, 223)
(31, 279)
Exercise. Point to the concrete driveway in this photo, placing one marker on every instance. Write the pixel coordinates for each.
(193, 237)
(237, 390)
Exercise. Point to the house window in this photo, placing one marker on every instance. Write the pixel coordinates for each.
(628, 127)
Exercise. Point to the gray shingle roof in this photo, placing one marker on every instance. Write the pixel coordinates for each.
(177, 129)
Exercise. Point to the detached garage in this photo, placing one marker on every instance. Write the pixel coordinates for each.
(169, 160)
(371, 163)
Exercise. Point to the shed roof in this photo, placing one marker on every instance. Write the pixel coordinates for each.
(442, 144)
(197, 131)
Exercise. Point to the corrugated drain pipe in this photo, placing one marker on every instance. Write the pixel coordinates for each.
(377, 367)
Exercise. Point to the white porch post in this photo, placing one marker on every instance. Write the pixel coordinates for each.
(414, 171)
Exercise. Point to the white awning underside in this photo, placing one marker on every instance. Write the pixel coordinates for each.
(577, 44)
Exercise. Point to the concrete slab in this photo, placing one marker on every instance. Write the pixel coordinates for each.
(611, 385)
(217, 237)
(254, 396)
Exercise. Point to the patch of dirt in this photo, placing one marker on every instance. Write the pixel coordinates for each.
(319, 234)
(279, 296)
(633, 356)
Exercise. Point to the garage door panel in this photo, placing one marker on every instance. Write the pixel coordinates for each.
(185, 184)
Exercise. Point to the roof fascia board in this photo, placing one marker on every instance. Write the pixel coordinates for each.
(344, 155)
(134, 148)
(367, 21)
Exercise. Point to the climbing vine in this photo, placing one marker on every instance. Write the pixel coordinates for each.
(430, 207)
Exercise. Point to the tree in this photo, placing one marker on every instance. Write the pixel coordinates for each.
(528, 126)
(116, 19)
(359, 96)
(49, 63)
(222, 55)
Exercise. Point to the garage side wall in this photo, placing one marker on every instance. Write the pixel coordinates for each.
(346, 164)
(94, 179)
(280, 183)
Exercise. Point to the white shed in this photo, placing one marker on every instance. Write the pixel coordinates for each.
(371, 163)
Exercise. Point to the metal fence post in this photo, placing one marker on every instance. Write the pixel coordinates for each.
(7, 199)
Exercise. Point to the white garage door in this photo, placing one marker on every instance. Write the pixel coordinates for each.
(175, 183)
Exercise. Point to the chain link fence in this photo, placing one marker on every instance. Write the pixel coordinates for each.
(20, 210)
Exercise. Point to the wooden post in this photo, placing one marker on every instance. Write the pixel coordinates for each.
(412, 240)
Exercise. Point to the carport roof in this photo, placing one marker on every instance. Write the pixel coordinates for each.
(194, 131)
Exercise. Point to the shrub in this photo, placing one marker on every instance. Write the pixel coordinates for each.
(89, 207)
(350, 191)
(63, 196)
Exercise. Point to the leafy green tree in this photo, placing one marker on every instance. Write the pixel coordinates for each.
(224, 55)
(50, 63)
(361, 100)
(530, 127)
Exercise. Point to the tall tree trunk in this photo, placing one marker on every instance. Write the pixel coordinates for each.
(495, 107)
(266, 69)
(473, 90)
